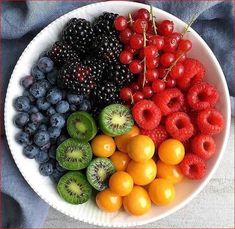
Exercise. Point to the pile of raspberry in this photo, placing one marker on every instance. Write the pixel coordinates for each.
(169, 98)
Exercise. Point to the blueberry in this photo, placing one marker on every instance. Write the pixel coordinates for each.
(28, 94)
(59, 168)
(73, 107)
(54, 95)
(37, 74)
(54, 132)
(37, 90)
(50, 111)
(46, 169)
(42, 127)
(57, 120)
(74, 99)
(22, 103)
(21, 119)
(41, 138)
(27, 81)
(44, 53)
(43, 104)
(52, 152)
(45, 64)
(52, 76)
(31, 128)
(23, 138)
(33, 109)
(85, 105)
(45, 83)
(56, 175)
(46, 147)
(61, 139)
(30, 151)
(42, 156)
(37, 118)
(62, 106)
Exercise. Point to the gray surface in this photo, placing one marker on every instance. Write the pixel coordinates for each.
(212, 208)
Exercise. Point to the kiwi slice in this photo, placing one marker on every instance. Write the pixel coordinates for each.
(74, 188)
(98, 173)
(81, 125)
(73, 154)
(116, 119)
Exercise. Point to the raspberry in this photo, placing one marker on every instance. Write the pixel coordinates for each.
(146, 114)
(179, 126)
(203, 146)
(202, 96)
(193, 72)
(210, 121)
(193, 167)
(169, 100)
(158, 134)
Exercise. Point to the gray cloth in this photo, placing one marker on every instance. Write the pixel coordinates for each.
(21, 21)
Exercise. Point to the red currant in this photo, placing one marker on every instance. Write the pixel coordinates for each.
(129, 49)
(134, 87)
(141, 54)
(126, 94)
(120, 23)
(167, 59)
(170, 44)
(142, 81)
(152, 63)
(176, 35)
(156, 40)
(158, 86)
(138, 96)
(140, 25)
(125, 57)
(161, 72)
(137, 41)
(177, 71)
(147, 92)
(180, 53)
(142, 14)
(125, 36)
(150, 51)
(185, 45)
(136, 66)
(170, 82)
(151, 74)
(166, 27)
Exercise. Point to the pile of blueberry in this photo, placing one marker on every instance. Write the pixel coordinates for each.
(43, 109)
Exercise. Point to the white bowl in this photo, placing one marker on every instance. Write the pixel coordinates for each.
(89, 212)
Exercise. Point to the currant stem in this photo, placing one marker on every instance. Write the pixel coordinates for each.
(130, 18)
(152, 19)
(145, 68)
(192, 20)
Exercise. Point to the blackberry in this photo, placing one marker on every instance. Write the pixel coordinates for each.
(107, 48)
(119, 74)
(104, 24)
(79, 34)
(61, 52)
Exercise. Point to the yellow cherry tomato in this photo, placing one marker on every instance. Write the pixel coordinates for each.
(121, 183)
(137, 202)
(122, 140)
(120, 160)
(171, 151)
(108, 201)
(142, 173)
(103, 146)
(169, 172)
(161, 191)
(141, 148)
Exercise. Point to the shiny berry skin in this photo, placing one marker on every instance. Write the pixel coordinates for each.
(134, 87)
(136, 66)
(179, 53)
(170, 83)
(177, 71)
(156, 40)
(176, 35)
(140, 25)
(120, 23)
(137, 41)
(161, 72)
(125, 35)
(158, 86)
(125, 57)
(193, 167)
(129, 49)
(141, 14)
(151, 74)
(170, 44)
(152, 63)
(150, 51)
(142, 81)
(147, 92)
(138, 96)
(167, 59)
(166, 27)
(203, 146)
(185, 45)
(141, 54)
(126, 94)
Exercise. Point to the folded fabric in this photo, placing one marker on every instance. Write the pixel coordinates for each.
(21, 21)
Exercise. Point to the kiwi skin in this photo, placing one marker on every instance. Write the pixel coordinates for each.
(78, 178)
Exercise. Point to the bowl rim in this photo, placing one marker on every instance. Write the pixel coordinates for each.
(214, 167)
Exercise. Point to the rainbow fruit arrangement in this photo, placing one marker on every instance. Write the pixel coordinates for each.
(116, 106)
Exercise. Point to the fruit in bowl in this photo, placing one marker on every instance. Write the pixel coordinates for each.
(114, 73)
